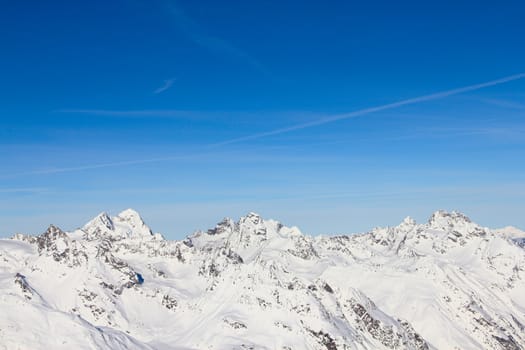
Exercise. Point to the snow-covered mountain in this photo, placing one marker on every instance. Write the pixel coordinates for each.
(256, 284)
(513, 233)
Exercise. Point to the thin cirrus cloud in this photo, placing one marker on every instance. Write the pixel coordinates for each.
(167, 84)
(314, 123)
(199, 36)
(385, 107)
(30, 190)
(503, 103)
(140, 113)
(101, 165)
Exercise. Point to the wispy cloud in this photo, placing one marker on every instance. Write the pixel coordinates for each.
(370, 110)
(495, 133)
(510, 133)
(167, 84)
(101, 165)
(204, 153)
(247, 116)
(199, 36)
(23, 190)
(317, 122)
(503, 103)
(159, 113)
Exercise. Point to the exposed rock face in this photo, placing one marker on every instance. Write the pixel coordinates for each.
(100, 226)
(56, 243)
(257, 284)
(20, 280)
(52, 240)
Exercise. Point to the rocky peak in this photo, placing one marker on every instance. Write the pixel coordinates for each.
(130, 221)
(408, 221)
(457, 225)
(251, 218)
(104, 220)
(250, 225)
(101, 225)
(253, 223)
(130, 215)
(98, 226)
(49, 238)
(393, 237)
(453, 221)
(246, 237)
(126, 224)
(56, 243)
(443, 220)
(225, 226)
(53, 232)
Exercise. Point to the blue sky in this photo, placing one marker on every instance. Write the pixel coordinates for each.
(191, 111)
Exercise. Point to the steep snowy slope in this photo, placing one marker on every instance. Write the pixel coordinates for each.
(514, 234)
(256, 284)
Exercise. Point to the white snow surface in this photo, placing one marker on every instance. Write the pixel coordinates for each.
(513, 233)
(257, 284)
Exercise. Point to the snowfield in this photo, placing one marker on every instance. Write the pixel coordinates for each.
(256, 284)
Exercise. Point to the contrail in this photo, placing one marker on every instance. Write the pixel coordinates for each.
(358, 113)
(326, 120)
(167, 84)
(100, 165)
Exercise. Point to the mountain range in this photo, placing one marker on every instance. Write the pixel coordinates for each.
(254, 283)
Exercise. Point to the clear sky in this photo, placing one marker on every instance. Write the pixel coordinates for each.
(190, 111)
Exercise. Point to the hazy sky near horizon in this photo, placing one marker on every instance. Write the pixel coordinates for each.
(305, 112)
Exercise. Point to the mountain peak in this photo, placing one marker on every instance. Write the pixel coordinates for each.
(455, 222)
(251, 217)
(104, 220)
(130, 221)
(443, 219)
(408, 221)
(100, 225)
(51, 239)
(226, 225)
(130, 214)
(127, 223)
(54, 232)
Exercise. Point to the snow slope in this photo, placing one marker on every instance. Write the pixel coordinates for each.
(256, 284)
(513, 233)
